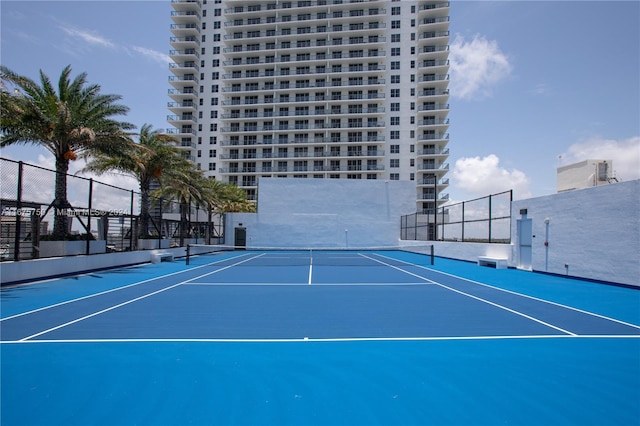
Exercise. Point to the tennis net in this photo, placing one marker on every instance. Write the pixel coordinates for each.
(304, 256)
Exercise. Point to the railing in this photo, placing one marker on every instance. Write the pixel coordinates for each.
(101, 218)
(486, 219)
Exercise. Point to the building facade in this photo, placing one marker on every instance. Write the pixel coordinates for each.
(585, 174)
(336, 89)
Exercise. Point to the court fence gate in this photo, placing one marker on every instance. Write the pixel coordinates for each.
(101, 218)
(481, 220)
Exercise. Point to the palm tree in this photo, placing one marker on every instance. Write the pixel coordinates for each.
(234, 199)
(187, 185)
(183, 183)
(145, 161)
(76, 120)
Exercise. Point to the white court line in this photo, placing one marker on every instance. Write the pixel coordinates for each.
(131, 301)
(497, 305)
(349, 284)
(329, 339)
(114, 289)
(518, 294)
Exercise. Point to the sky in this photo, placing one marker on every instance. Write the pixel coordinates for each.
(534, 84)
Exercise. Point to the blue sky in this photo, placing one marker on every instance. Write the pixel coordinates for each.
(534, 84)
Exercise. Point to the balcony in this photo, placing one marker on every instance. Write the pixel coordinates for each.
(433, 107)
(434, 137)
(432, 181)
(184, 56)
(434, 167)
(183, 79)
(181, 132)
(185, 30)
(431, 152)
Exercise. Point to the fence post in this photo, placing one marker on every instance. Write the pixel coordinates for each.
(462, 222)
(435, 208)
(160, 228)
(209, 225)
(16, 238)
(489, 219)
(88, 249)
(132, 231)
(442, 223)
(510, 212)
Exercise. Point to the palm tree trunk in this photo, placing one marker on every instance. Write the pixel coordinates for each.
(60, 203)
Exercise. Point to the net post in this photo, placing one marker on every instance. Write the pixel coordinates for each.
(188, 253)
(431, 254)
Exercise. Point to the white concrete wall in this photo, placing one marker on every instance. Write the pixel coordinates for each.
(35, 269)
(595, 232)
(325, 213)
(471, 251)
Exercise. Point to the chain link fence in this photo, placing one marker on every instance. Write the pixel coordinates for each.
(101, 218)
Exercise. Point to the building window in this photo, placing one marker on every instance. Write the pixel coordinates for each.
(395, 121)
(395, 51)
(212, 167)
(394, 176)
(394, 163)
(394, 135)
(395, 65)
(395, 149)
(395, 10)
(395, 38)
(395, 93)
(395, 24)
(395, 106)
(395, 79)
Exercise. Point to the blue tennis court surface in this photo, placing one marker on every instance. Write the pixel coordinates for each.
(372, 337)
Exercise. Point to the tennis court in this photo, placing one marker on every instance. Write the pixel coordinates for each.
(319, 337)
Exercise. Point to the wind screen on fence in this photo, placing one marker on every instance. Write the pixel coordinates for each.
(200, 254)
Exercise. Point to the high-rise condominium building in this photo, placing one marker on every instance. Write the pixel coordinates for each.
(335, 89)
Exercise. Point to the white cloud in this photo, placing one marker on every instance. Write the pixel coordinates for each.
(541, 89)
(476, 67)
(87, 36)
(484, 176)
(93, 39)
(625, 155)
(154, 55)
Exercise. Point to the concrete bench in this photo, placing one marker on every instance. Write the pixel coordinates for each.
(161, 257)
(497, 262)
